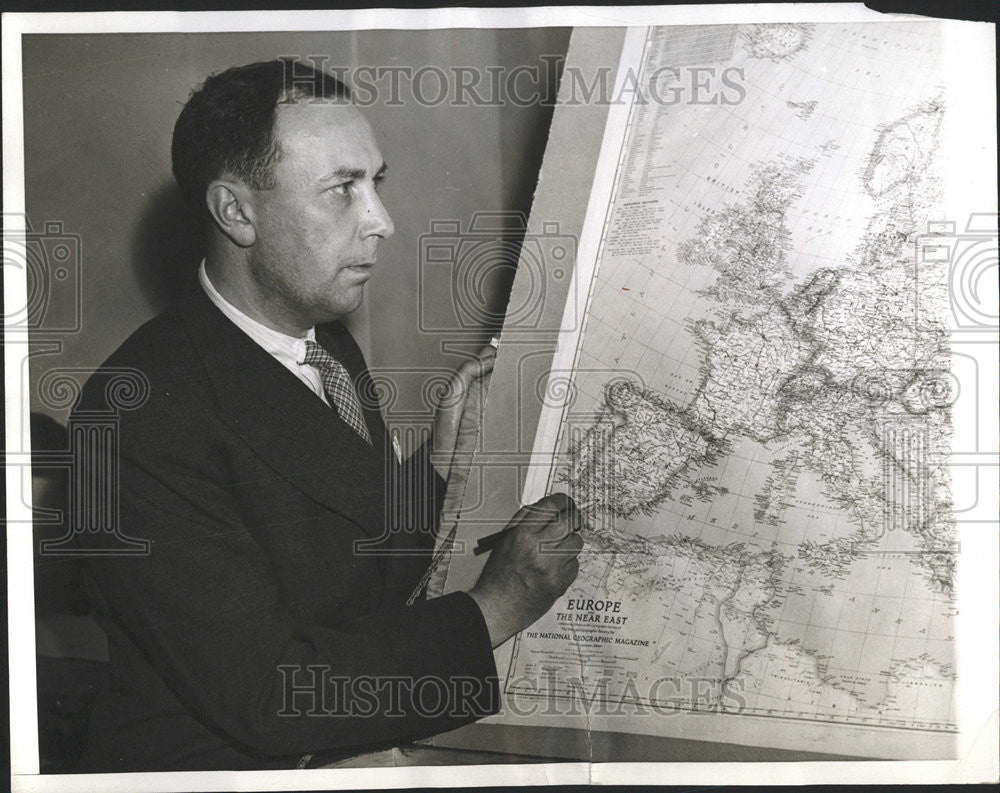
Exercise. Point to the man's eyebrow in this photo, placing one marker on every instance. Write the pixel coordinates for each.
(353, 173)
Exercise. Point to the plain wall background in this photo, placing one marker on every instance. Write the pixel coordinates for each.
(99, 111)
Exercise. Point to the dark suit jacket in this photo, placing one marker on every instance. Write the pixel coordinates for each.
(253, 494)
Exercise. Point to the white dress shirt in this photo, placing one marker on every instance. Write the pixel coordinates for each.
(289, 351)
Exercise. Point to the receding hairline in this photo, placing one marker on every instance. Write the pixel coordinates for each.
(281, 110)
(226, 128)
(342, 172)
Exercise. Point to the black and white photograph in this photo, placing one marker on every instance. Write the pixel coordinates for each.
(501, 396)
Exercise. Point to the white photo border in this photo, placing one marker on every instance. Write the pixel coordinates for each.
(977, 575)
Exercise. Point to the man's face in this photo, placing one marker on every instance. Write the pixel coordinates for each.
(318, 229)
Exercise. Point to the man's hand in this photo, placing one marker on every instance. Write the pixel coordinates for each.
(532, 565)
(451, 407)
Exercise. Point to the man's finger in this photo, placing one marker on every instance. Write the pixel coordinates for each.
(571, 526)
(537, 515)
(547, 512)
(556, 507)
(571, 542)
(565, 522)
(568, 545)
(481, 365)
(542, 517)
(520, 516)
(558, 501)
(486, 365)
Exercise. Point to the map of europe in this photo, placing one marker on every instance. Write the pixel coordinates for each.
(759, 426)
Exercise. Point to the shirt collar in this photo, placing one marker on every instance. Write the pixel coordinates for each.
(282, 346)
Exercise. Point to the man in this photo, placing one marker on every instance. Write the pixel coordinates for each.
(268, 621)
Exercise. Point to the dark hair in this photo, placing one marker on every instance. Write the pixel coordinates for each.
(227, 125)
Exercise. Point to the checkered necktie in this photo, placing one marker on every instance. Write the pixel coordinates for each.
(338, 386)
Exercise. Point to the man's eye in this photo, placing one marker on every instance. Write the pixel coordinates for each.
(342, 189)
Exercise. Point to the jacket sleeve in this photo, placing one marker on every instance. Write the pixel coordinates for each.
(205, 608)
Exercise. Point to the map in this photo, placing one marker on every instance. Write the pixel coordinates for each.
(759, 424)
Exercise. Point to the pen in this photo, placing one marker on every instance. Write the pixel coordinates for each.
(490, 541)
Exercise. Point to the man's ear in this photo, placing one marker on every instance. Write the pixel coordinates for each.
(229, 204)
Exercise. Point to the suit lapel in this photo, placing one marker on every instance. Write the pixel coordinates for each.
(286, 424)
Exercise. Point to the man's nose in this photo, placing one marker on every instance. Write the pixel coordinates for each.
(377, 221)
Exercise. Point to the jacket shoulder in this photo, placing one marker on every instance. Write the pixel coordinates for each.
(157, 360)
